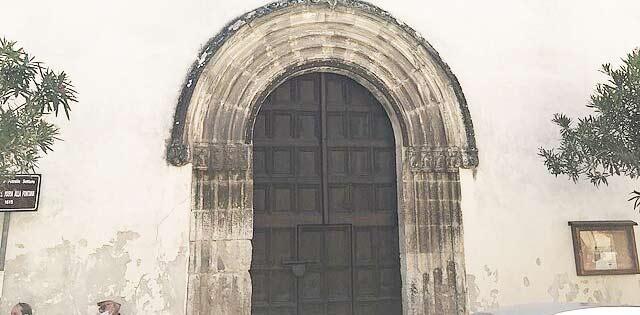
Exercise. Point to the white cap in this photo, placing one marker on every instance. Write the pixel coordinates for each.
(113, 299)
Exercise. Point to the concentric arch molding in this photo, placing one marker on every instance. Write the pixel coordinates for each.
(260, 49)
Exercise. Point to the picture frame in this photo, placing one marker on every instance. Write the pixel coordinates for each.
(604, 247)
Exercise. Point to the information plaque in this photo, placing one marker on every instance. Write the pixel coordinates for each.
(20, 193)
(604, 247)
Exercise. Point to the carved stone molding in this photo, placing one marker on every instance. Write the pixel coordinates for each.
(221, 157)
(178, 154)
(343, 29)
(201, 157)
(433, 159)
(213, 113)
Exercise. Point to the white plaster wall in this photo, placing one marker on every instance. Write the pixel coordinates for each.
(519, 62)
(114, 216)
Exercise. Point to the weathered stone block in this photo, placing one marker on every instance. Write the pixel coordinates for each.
(230, 256)
(228, 294)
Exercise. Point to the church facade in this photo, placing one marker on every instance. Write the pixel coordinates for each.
(319, 157)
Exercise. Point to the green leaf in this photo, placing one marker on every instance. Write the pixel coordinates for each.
(607, 142)
(28, 90)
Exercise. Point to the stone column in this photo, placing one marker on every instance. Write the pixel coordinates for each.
(221, 230)
(433, 245)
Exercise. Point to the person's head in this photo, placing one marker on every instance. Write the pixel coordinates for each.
(21, 309)
(110, 306)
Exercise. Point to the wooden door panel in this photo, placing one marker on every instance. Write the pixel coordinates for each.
(282, 125)
(312, 283)
(274, 287)
(308, 197)
(308, 127)
(308, 89)
(362, 192)
(312, 309)
(286, 205)
(260, 127)
(259, 162)
(324, 201)
(359, 125)
(336, 126)
(283, 93)
(308, 162)
(383, 163)
(287, 190)
(382, 129)
(337, 162)
(340, 308)
(362, 197)
(282, 162)
(326, 283)
(283, 289)
(377, 275)
(360, 162)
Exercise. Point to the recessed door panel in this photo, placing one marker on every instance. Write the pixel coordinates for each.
(326, 284)
(325, 206)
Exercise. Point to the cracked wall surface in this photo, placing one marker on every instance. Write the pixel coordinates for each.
(69, 277)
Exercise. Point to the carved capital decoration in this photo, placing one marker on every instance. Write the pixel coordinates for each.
(470, 158)
(221, 157)
(437, 159)
(178, 154)
(201, 157)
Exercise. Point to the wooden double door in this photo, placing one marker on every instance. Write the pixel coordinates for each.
(325, 211)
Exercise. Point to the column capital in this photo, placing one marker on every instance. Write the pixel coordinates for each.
(221, 156)
(178, 154)
(440, 159)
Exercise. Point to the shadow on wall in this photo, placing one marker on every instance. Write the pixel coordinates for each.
(70, 278)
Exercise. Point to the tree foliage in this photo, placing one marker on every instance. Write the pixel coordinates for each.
(29, 92)
(605, 143)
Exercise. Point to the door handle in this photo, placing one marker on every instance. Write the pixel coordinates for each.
(298, 267)
(298, 262)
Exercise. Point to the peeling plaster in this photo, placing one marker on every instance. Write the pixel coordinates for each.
(491, 274)
(593, 290)
(484, 290)
(478, 301)
(69, 278)
(474, 293)
(562, 289)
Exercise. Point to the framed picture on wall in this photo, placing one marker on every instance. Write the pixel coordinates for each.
(604, 247)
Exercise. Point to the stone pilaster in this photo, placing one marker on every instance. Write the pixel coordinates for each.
(433, 231)
(221, 230)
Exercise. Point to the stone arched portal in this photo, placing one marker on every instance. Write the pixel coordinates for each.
(213, 127)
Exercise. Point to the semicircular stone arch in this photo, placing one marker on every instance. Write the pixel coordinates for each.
(215, 115)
